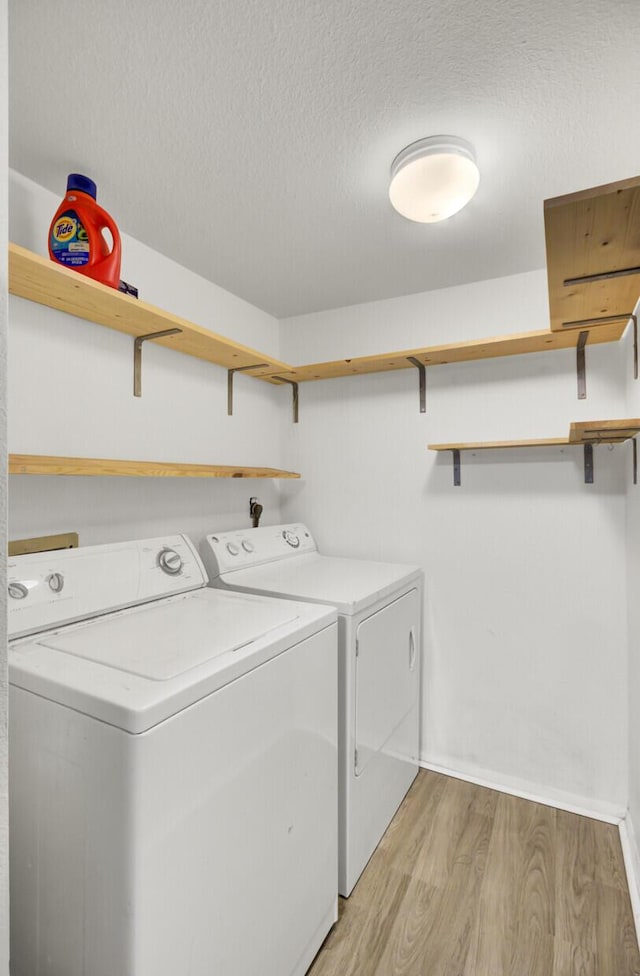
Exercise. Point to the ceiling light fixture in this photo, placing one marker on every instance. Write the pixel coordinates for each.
(433, 178)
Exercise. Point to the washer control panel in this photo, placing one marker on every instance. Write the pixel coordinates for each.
(49, 588)
(224, 552)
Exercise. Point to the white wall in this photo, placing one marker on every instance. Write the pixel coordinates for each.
(70, 393)
(4, 860)
(525, 669)
(517, 303)
(633, 582)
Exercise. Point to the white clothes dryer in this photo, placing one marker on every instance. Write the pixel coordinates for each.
(379, 652)
(173, 764)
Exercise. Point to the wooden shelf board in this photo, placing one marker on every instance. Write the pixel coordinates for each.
(458, 352)
(592, 232)
(498, 445)
(42, 280)
(107, 467)
(604, 431)
(582, 432)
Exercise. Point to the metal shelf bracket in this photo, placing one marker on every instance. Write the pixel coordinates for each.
(600, 276)
(230, 374)
(137, 356)
(600, 321)
(294, 390)
(581, 365)
(456, 468)
(422, 370)
(588, 464)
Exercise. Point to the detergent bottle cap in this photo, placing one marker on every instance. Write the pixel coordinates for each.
(75, 181)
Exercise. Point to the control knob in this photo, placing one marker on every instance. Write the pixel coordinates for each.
(18, 591)
(291, 538)
(248, 546)
(56, 582)
(170, 562)
(232, 549)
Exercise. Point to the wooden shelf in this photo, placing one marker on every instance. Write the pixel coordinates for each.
(457, 352)
(498, 445)
(594, 232)
(42, 280)
(109, 467)
(48, 283)
(584, 432)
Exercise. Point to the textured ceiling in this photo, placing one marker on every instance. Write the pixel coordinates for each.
(251, 140)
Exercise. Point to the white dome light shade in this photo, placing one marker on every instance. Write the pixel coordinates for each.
(434, 178)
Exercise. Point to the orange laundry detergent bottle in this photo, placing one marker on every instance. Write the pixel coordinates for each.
(76, 236)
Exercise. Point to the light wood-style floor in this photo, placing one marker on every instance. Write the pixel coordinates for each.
(471, 882)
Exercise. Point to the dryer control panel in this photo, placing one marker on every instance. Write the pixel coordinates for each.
(50, 588)
(224, 552)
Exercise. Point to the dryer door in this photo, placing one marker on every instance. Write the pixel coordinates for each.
(387, 670)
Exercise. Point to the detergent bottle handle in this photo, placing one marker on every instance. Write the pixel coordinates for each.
(97, 241)
(105, 260)
(111, 226)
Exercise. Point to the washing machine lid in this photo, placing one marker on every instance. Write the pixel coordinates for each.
(350, 585)
(137, 667)
(162, 641)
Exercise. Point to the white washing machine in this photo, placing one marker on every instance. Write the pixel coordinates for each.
(379, 640)
(173, 764)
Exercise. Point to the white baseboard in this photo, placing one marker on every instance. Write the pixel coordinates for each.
(569, 803)
(631, 857)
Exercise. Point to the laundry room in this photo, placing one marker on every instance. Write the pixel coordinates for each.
(318, 412)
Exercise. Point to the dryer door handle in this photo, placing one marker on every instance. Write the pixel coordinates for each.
(412, 649)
